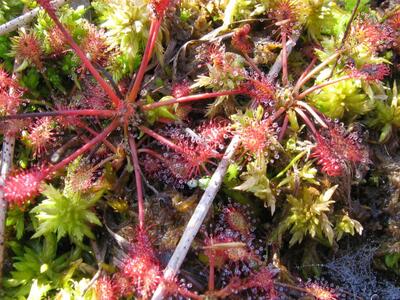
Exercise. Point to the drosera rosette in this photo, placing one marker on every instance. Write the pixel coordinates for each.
(339, 152)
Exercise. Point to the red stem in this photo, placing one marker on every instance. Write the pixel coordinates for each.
(211, 275)
(94, 133)
(283, 128)
(138, 179)
(320, 86)
(161, 139)
(73, 112)
(308, 69)
(107, 88)
(152, 153)
(153, 32)
(188, 294)
(251, 62)
(276, 115)
(102, 136)
(312, 111)
(311, 73)
(191, 98)
(306, 120)
(284, 59)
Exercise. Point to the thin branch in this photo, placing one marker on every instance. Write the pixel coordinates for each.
(284, 59)
(346, 34)
(277, 66)
(197, 218)
(26, 18)
(7, 155)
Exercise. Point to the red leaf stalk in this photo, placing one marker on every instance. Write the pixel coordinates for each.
(105, 113)
(107, 88)
(99, 138)
(154, 28)
(138, 178)
(191, 98)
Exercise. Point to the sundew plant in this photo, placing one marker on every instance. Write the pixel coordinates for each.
(120, 118)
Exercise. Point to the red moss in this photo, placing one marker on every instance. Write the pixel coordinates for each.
(20, 188)
(241, 40)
